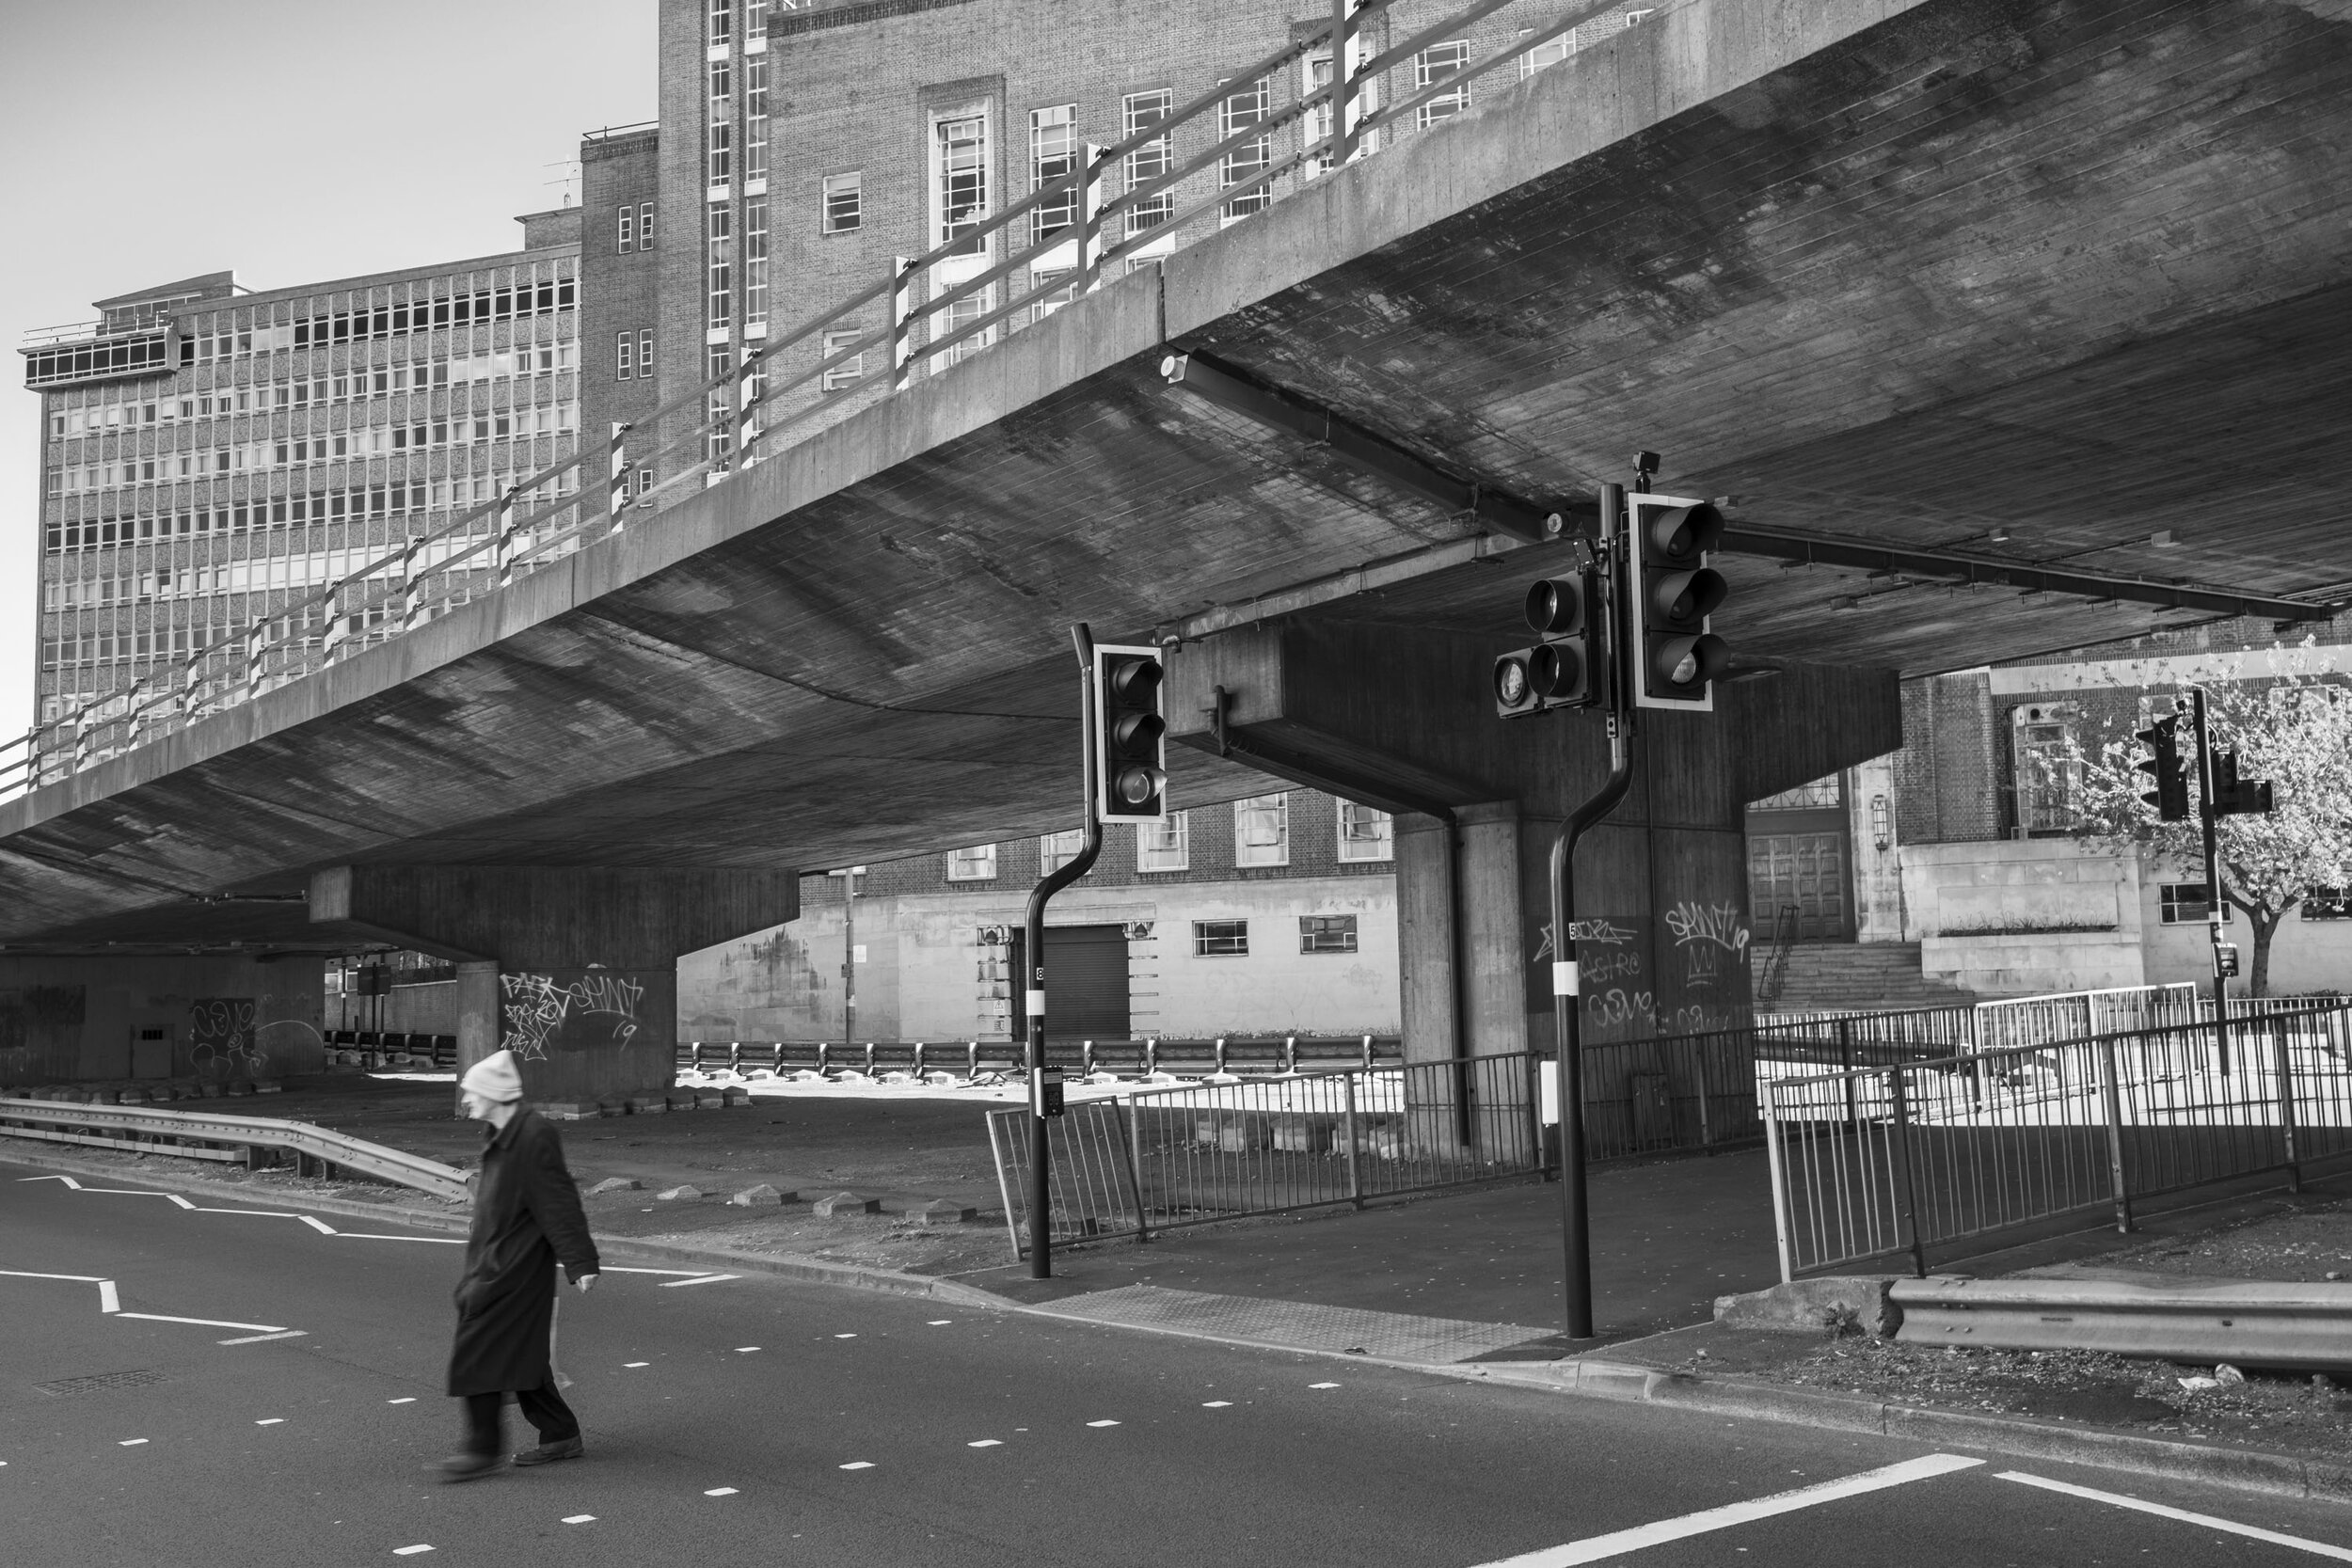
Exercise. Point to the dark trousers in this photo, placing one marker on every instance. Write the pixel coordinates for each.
(543, 1407)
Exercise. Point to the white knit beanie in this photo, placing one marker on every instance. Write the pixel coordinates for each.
(494, 1077)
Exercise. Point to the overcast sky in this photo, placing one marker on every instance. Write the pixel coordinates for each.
(291, 141)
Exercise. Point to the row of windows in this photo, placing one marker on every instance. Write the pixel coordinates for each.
(633, 227)
(1317, 933)
(552, 419)
(1261, 838)
(2183, 904)
(212, 338)
(341, 504)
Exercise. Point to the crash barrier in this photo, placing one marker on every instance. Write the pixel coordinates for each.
(1973, 1147)
(1154, 1160)
(2244, 1323)
(201, 1135)
(437, 1052)
(1283, 1053)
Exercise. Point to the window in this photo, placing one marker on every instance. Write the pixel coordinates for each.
(755, 118)
(644, 226)
(1821, 792)
(847, 373)
(645, 354)
(1048, 292)
(1327, 933)
(2183, 904)
(721, 290)
(722, 21)
(962, 150)
(1052, 155)
(722, 90)
(844, 203)
(1056, 851)
(2047, 771)
(1434, 65)
(1551, 53)
(1138, 111)
(624, 358)
(962, 313)
(1316, 124)
(1366, 834)
(1165, 846)
(1236, 112)
(626, 239)
(976, 864)
(2327, 903)
(1215, 939)
(1261, 831)
(756, 262)
(721, 154)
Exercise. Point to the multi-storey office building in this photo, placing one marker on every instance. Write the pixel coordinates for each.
(211, 454)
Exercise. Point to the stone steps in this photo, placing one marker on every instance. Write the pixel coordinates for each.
(1861, 978)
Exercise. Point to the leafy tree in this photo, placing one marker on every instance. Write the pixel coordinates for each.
(2296, 733)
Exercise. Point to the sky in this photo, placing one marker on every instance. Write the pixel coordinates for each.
(291, 141)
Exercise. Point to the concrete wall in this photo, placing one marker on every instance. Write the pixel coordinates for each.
(220, 1018)
(2024, 916)
(1878, 881)
(427, 1009)
(2305, 955)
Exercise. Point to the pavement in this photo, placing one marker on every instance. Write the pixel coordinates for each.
(266, 1391)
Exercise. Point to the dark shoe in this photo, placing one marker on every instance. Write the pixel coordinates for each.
(470, 1466)
(548, 1453)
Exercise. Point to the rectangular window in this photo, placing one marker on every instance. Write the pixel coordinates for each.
(2183, 904)
(624, 357)
(645, 354)
(1327, 933)
(844, 203)
(1261, 831)
(962, 313)
(1139, 111)
(1432, 66)
(722, 21)
(721, 269)
(976, 864)
(722, 90)
(1215, 939)
(721, 154)
(1056, 851)
(625, 240)
(1236, 112)
(848, 373)
(1052, 155)
(2048, 774)
(1165, 845)
(1366, 833)
(756, 262)
(755, 118)
(963, 153)
(1545, 53)
(2327, 903)
(644, 226)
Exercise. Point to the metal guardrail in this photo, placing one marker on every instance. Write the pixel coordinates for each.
(1986, 1025)
(199, 1135)
(1972, 1146)
(1282, 1053)
(2245, 1323)
(1066, 235)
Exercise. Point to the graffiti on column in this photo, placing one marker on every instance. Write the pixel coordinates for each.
(536, 1009)
(1711, 938)
(1602, 933)
(222, 1040)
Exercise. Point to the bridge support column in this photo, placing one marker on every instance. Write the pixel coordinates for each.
(574, 970)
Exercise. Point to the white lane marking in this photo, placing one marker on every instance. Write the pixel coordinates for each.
(205, 1323)
(859, 1465)
(1216, 1404)
(1596, 1548)
(409, 1399)
(257, 1338)
(76, 1278)
(720, 1492)
(579, 1518)
(2317, 1548)
(939, 1322)
(409, 1551)
(1323, 1386)
(318, 1225)
(705, 1280)
(636, 1363)
(271, 1421)
(259, 1215)
(745, 1350)
(108, 1300)
(110, 1304)
(181, 1202)
(621, 1268)
(844, 1336)
(66, 1179)
(371, 1236)
(987, 1443)
(1101, 1423)
(129, 1442)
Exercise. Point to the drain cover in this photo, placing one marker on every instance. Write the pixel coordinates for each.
(98, 1382)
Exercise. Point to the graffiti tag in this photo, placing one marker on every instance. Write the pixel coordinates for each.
(1710, 937)
(536, 1007)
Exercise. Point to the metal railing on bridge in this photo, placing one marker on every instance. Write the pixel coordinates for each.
(1119, 206)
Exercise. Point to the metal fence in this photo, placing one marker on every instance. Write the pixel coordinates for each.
(1851, 1039)
(1157, 1159)
(1904, 1156)
(1141, 1057)
(999, 272)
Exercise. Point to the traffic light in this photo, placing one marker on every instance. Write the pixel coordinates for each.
(1130, 736)
(1677, 656)
(1569, 668)
(2233, 796)
(2164, 765)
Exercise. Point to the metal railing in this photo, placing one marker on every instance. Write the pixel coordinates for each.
(1158, 1159)
(1066, 237)
(1848, 1039)
(1975, 1146)
(1775, 978)
(200, 1135)
(1139, 1057)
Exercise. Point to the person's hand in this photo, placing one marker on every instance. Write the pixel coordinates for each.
(582, 1283)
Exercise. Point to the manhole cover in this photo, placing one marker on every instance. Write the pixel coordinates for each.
(98, 1382)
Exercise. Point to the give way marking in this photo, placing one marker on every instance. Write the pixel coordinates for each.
(110, 1305)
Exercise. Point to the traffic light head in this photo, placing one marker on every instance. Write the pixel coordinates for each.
(1677, 656)
(1130, 736)
(2165, 769)
(1566, 669)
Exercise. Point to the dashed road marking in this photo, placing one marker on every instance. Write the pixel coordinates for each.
(371, 1236)
(257, 1338)
(406, 1398)
(745, 1350)
(108, 1300)
(636, 1363)
(409, 1551)
(859, 1465)
(1216, 1404)
(579, 1518)
(705, 1280)
(2318, 1548)
(720, 1492)
(1101, 1423)
(939, 1322)
(1323, 1386)
(131, 1442)
(271, 1421)
(987, 1443)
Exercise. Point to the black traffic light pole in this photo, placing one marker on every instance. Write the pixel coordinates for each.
(1566, 1003)
(1041, 1152)
(2208, 816)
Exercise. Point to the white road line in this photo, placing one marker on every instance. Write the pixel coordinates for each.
(720, 1492)
(409, 1399)
(409, 1551)
(259, 1215)
(66, 1179)
(257, 1338)
(987, 1443)
(844, 1336)
(636, 1363)
(271, 1421)
(371, 1236)
(1599, 1547)
(1101, 1423)
(1216, 1404)
(939, 1322)
(745, 1350)
(318, 1225)
(205, 1323)
(706, 1279)
(620, 1268)
(108, 1301)
(579, 1518)
(129, 1442)
(76, 1278)
(2317, 1548)
(1323, 1386)
(859, 1465)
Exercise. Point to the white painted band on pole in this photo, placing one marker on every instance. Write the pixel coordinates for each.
(1036, 1004)
(1564, 981)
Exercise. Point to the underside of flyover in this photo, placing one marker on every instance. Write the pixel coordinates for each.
(2034, 279)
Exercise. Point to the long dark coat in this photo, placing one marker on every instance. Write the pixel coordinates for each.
(526, 1217)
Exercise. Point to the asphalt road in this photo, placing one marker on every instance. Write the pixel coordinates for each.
(750, 1420)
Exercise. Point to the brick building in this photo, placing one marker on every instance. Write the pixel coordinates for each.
(211, 453)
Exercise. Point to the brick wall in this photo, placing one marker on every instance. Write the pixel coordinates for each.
(620, 291)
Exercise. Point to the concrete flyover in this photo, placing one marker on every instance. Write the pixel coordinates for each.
(2031, 280)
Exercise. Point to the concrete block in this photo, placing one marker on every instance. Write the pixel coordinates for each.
(646, 1104)
(735, 1096)
(213, 1091)
(939, 1211)
(240, 1088)
(940, 1080)
(618, 1184)
(1858, 1302)
(268, 1085)
(762, 1196)
(1301, 1135)
(679, 1100)
(613, 1105)
(895, 1077)
(848, 1203)
(850, 1075)
(679, 1195)
(565, 1109)
(809, 1075)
